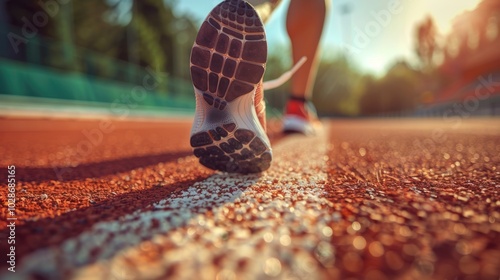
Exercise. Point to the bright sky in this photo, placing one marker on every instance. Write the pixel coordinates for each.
(383, 42)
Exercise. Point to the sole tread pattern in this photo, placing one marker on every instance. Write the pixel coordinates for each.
(230, 52)
(240, 151)
(227, 62)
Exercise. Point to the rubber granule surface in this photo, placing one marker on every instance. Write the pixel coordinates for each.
(369, 199)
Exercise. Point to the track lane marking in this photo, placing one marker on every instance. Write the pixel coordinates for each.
(273, 225)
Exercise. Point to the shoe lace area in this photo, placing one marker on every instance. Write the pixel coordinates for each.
(267, 85)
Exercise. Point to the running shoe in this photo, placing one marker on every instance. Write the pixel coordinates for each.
(228, 60)
(300, 117)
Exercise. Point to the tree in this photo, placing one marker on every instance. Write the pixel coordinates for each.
(426, 41)
(397, 91)
(143, 32)
(337, 87)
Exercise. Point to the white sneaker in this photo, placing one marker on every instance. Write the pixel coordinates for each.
(301, 117)
(228, 61)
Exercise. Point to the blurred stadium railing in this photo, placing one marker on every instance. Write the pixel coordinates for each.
(46, 68)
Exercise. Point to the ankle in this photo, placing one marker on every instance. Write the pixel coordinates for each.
(293, 97)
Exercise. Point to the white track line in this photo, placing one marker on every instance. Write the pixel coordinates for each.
(222, 227)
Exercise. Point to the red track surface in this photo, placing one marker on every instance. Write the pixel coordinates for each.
(405, 199)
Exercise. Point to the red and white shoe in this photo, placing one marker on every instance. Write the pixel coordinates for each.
(301, 117)
(228, 60)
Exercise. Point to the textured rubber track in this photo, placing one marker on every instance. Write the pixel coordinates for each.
(227, 63)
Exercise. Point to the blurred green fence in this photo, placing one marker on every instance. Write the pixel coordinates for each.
(35, 81)
(42, 67)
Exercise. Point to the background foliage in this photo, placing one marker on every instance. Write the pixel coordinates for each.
(116, 39)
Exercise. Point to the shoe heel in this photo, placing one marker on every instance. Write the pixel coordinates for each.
(228, 149)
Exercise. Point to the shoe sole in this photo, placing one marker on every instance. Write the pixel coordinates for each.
(228, 61)
(293, 124)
